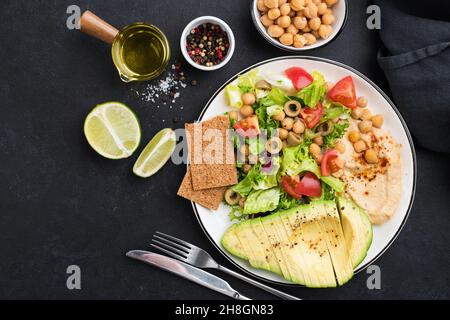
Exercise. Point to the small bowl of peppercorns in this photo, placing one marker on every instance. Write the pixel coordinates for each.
(207, 43)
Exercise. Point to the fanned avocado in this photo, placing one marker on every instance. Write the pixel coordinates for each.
(303, 240)
(357, 230)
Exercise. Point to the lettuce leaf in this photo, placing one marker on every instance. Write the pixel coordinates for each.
(247, 81)
(337, 133)
(256, 180)
(335, 183)
(233, 96)
(315, 92)
(262, 201)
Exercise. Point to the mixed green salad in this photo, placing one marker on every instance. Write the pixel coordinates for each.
(288, 126)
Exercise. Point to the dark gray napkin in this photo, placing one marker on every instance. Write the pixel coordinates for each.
(416, 62)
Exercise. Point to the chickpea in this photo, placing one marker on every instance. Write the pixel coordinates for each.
(261, 6)
(271, 3)
(359, 146)
(266, 21)
(287, 39)
(314, 149)
(318, 140)
(316, 2)
(246, 111)
(274, 145)
(366, 114)
(233, 115)
(298, 127)
(328, 19)
(281, 2)
(285, 144)
(297, 5)
(377, 121)
(338, 163)
(354, 136)
(248, 98)
(299, 41)
(244, 150)
(310, 11)
(284, 21)
(325, 31)
(330, 86)
(314, 23)
(283, 133)
(274, 13)
(340, 147)
(287, 123)
(246, 168)
(321, 8)
(365, 126)
(362, 102)
(285, 9)
(331, 3)
(306, 29)
(315, 34)
(371, 156)
(328, 11)
(279, 116)
(300, 22)
(275, 31)
(356, 113)
(310, 39)
(292, 30)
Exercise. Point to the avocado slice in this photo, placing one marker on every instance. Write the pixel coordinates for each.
(357, 229)
(337, 246)
(310, 242)
(269, 225)
(250, 243)
(264, 241)
(232, 244)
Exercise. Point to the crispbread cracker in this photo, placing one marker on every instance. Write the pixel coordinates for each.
(208, 175)
(209, 198)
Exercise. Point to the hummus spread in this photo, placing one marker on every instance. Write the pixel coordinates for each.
(377, 188)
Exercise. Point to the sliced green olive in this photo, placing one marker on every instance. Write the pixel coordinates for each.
(274, 145)
(232, 197)
(263, 85)
(294, 139)
(326, 128)
(292, 108)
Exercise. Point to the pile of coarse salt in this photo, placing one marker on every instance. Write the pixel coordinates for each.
(164, 91)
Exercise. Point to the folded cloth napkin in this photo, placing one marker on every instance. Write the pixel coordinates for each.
(416, 62)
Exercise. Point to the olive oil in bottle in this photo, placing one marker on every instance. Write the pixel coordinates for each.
(141, 52)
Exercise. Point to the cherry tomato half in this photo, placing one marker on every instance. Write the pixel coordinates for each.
(300, 77)
(326, 163)
(344, 92)
(309, 186)
(289, 183)
(248, 127)
(312, 116)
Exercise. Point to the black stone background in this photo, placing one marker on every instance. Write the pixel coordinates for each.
(62, 204)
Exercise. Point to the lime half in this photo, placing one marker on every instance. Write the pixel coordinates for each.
(155, 154)
(113, 130)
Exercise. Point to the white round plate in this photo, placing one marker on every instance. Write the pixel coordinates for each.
(215, 223)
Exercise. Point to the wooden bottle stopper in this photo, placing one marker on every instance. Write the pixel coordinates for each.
(97, 27)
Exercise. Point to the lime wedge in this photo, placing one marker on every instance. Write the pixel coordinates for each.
(155, 154)
(113, 130)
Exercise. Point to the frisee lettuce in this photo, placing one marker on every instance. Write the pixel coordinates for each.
(312, 94)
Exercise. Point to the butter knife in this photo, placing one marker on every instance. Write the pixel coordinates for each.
(186, 271)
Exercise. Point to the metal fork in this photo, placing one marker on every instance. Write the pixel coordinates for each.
(187, 252)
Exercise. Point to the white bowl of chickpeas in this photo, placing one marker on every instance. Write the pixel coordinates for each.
(299, 25)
